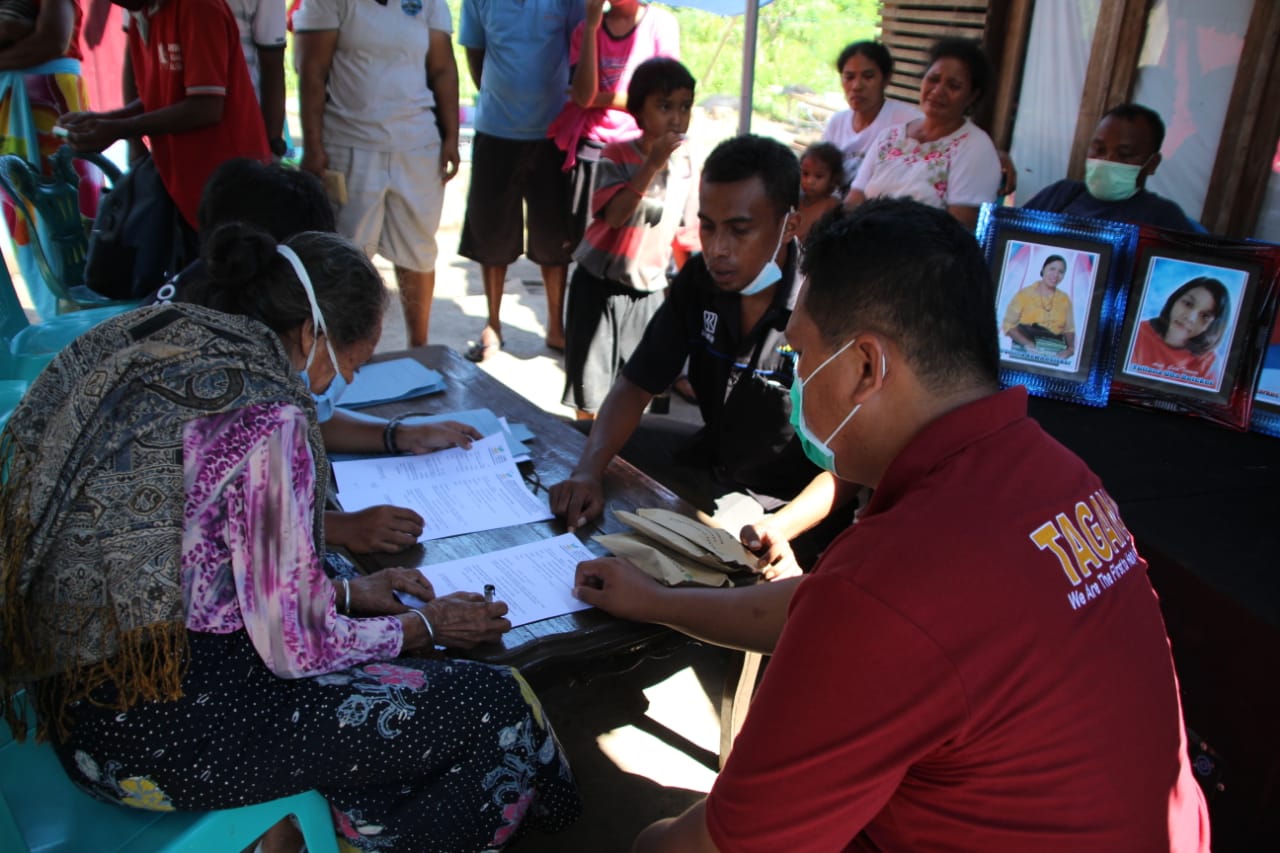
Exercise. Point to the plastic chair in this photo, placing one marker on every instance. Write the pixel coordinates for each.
(11, 391)
(58, 238)
(26, 349)
(41, 810)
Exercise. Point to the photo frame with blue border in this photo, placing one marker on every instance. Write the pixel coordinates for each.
(1153, 369)
(1109, 249)
(1265, 417)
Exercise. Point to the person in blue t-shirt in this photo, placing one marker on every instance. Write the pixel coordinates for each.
(1124, 152)
(518, 56)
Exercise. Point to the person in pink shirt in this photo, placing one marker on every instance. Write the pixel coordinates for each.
(605, 50)
(183, 645)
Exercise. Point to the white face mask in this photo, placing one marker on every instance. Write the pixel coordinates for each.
(1110, 181)
(770, 273)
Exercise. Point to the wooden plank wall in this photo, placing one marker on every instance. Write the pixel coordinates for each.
(909, 27)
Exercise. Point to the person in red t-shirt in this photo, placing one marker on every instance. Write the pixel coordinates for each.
(195, 99)
(980, 662)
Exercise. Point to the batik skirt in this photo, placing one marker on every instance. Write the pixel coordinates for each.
(411, 754)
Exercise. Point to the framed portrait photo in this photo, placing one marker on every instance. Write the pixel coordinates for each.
(1194, 328)
(1061, 284)
(1265, 417)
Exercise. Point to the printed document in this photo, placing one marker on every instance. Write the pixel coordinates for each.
(455, 491)
(535, 580)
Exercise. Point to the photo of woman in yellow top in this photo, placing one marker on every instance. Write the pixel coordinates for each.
(1040, 318)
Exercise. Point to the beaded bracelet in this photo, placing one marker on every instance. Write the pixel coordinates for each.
(431, 632)
(389, 434)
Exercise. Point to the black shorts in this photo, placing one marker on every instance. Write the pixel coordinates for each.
(603, 325)
(504, 173)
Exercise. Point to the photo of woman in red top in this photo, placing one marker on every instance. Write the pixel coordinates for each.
(1180, 345)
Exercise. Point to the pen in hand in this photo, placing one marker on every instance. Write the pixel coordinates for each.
(489, 592)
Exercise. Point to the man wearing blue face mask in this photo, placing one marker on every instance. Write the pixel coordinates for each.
(726, 312)
(1124, 152)
(980, 662)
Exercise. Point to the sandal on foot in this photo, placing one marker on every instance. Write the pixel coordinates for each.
(480, 351)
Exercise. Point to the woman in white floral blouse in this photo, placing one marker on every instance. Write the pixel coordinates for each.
(942, 159)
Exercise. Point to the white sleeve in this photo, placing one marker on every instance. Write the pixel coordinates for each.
(440, 17)
(319, 15)
(868, 168)
(974, 177)
(269, 24)
(831, 132)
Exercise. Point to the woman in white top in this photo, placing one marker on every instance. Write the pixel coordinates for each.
(941, 159)
(865, 68)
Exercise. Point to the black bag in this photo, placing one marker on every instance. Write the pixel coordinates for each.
(139, 239)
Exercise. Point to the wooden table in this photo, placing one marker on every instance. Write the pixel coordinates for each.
(576, 638)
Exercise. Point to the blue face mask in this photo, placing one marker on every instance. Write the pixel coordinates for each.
(770, 273)
(327, 400)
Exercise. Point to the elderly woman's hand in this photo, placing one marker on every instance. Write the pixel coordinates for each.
(375, 594)
(462, 620)
(424, 438)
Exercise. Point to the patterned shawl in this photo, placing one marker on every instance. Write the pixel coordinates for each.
(91, 498)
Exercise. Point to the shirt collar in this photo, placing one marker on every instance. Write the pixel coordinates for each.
(946, 436)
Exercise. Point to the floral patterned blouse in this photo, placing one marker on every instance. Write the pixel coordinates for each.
(960, 169)
(248, 554)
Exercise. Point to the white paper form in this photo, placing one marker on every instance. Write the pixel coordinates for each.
(455, 491)
(535, 580)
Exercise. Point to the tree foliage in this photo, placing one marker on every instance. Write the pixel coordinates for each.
(797, 45)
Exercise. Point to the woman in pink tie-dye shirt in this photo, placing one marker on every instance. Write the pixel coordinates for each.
(177, 449)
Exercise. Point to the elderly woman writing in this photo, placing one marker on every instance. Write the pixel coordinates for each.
(941, 159)
(1039, 317)
(162, 599)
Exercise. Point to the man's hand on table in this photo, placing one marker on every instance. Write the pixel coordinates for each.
(425, 438)
(578, 500)
(618, 588)
(777, 560)
(383, 528)
(375, 594)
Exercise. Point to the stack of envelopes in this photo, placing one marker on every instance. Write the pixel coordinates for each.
(675, 549)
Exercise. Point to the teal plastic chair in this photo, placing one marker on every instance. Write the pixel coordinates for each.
(26, 349)
(11, 391)
(59, 239)
(41, 810)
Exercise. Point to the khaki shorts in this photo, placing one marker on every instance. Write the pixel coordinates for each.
(393, 204)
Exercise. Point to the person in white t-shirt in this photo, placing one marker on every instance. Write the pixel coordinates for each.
(941, 159)
(865, 68)
(262, 37)
(371, 114)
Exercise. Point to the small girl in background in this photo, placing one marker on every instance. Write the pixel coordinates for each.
(821, 175)
(639, 200)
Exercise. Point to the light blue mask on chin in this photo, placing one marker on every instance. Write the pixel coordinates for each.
(770, 273)
(326, 401)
